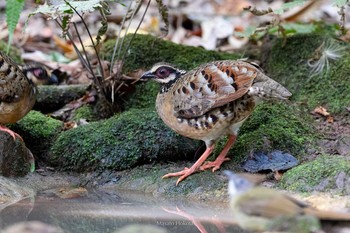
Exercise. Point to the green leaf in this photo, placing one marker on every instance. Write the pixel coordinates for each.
(289, 5)
(13, 11)
(298, 28)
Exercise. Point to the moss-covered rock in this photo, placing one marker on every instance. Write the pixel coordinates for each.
(51, 98)
(131, 138)
(14, 156)
(38, 131)
(287, 62)
(325, 173)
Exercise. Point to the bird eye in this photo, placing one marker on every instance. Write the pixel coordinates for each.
(162, 73)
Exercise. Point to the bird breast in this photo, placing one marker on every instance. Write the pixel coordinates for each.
(210, 126)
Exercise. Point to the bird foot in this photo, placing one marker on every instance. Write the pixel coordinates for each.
(13, 134)
(183, 174)
(214, 164)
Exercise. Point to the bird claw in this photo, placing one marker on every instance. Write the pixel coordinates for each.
(13, 134)
(214, 164)
(183, 174)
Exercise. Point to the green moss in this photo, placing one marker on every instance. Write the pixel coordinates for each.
(38, 131)
(273, 126)
(39, 126)
(287, 63)
(146, 50)
(85, 112)
(321, 174)
(144, 96)
(134, 137)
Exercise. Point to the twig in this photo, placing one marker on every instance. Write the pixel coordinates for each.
(138, 26)
(341, 12)
(83, 61)
(117, 42)
(92, 41)
(257, 12)
(84, 51)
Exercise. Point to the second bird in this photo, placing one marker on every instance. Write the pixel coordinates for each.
(211, 101)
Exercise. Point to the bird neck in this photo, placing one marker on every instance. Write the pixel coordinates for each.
(166, 86)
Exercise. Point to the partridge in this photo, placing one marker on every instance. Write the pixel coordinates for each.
(259, 209)
(210, 101)
(17, 94)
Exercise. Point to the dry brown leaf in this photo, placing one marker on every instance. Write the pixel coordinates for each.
(63, 44)
(69, 125)
(321, 111)
(69, 193)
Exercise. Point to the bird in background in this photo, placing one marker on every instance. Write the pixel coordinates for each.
(39, 74)
(257, 208)
(209, 102)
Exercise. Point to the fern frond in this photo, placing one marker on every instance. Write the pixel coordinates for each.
(13, 11)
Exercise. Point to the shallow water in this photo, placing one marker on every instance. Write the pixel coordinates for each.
(108, 211)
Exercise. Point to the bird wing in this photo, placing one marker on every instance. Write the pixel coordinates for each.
(268, 203)
(12, 80)
(212, 85)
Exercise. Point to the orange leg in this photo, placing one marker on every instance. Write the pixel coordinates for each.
(13, 134)
(222, 156)
(190, 217)
(189, 171)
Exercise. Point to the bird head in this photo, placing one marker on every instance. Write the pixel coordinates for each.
(163, 73)
(39, 75)
(237, 184)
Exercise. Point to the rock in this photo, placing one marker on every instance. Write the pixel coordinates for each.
(274, 161)
(14, 156)
(51, 98)
(342, 145)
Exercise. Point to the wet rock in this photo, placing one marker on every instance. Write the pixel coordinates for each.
(32, 227)
(14, 156)
(342, 145)
(274, 161)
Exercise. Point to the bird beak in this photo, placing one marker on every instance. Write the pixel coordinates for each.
(53, 80)
(147, 75)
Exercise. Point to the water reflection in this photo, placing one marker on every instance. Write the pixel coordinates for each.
(108, 211)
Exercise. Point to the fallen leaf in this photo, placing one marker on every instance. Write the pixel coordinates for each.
(321, 111)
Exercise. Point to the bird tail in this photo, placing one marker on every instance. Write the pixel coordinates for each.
(328, 215)
(265, 87)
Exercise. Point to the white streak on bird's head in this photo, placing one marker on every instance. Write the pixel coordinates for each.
(163, 73)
